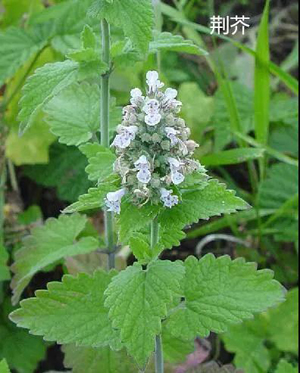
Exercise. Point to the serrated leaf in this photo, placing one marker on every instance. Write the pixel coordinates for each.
(94, 199)
(66, 172)
(285, 367)
(69, 20)
(71, 311)
(4, 270)
(74, 114)
(134, 219)
(284, 323)
(137, 300)
(55, 240)
(221, 292)
(278, 326)
(101, 161)
(197, 205)
(88, 38)
(92, 360)
(44, 84)
(280, 185)
(247, 341)
(135, 17)
(16, 47)
(165, 41)
(4, 367)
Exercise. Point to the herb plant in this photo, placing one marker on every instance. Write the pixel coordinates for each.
(143, 172)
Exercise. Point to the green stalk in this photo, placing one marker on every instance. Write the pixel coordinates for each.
(105, 103)
(159, 358)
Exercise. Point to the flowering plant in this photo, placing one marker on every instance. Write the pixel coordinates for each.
(150, 189)
(153, 148)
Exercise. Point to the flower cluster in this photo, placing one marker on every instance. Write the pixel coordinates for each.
(153, 148)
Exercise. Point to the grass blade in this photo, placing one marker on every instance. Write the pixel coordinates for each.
(262, 89)
(233, 156)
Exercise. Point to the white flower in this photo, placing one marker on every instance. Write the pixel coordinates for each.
(176, 176)
(144, 176)
(153, 81)
(174, 164)
(167, 198)
(152, 119)
(136, 96)
(124, 139)
(151, 106)
(113, 200)
(170, 94)
(172, 135)
(142, 163)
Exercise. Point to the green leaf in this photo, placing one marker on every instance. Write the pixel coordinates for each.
(94, 199)
(285, 367)
(94, 360)
(233, 156)
(66, 172)
(71, 311)
(278, 327)
(247, 342)
(88, 38)
(138, 299)
(281, 184)
(101, 161)
(284, 322)
(16, 47)
(69, 19)
(165, 41)
(280, 191)
(197, 205)
(175, 349)
(197, 107)
(243, 99)
(4, 367)
(32, 147)
(21, 350)
(55, 240)
(4, 270)
(73, 115)
(135, 17)
(15, 9)
(221, 292)
(42, 86)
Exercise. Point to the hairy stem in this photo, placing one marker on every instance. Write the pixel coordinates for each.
(105, 103)
(2, 190)
(159, 359)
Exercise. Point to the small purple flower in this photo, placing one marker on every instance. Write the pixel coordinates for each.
(167, 198)
(113, 201)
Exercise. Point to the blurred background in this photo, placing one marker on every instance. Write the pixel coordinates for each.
(226, 97)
